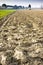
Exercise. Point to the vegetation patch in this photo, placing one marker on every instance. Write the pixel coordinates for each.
(5, 12)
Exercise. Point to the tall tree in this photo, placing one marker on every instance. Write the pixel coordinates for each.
(29, 6)
(4, 5)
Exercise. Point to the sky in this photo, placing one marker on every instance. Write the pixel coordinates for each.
(34, 3)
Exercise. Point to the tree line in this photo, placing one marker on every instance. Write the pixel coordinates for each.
(15, 6)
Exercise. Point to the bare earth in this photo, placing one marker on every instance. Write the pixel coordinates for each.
(21, 38)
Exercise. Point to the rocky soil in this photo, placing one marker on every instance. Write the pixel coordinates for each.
(21, 38)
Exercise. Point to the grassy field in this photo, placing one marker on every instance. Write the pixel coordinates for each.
(5, 12)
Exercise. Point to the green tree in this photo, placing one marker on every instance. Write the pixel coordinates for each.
(29, 6)
(4, 5)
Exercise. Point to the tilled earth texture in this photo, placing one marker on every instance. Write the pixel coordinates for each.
(21, 38)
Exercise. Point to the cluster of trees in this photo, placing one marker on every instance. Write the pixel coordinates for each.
(18, 7)
(15, 6)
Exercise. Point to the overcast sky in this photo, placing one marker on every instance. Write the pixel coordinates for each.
(34, 3)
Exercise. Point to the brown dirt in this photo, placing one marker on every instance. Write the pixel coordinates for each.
(21, 38)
